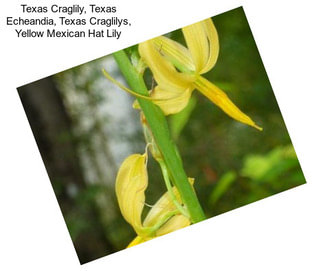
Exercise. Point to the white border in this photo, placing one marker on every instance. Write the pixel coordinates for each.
(283, 232)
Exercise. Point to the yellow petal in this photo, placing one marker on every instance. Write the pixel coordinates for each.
(176, 53)
(163, 70)
(175, 223)
(218, 97)
(197, 43)
(171, 101)
(131, 183)
(163, 206)
(214, 46)
(138, 240)
(112, 80)
(203, 43)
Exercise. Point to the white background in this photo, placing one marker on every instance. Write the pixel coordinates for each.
(283, 232)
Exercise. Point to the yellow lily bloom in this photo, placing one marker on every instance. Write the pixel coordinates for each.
(131, 183)
(177, 70)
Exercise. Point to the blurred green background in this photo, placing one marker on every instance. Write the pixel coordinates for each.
(85, 126)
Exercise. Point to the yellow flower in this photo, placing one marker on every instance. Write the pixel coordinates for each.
(177, 70)
(131, 183)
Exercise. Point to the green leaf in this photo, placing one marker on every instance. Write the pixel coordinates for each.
(222, 186)
(268, 167)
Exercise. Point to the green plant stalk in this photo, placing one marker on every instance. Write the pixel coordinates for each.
(159, 128)
(170, 189)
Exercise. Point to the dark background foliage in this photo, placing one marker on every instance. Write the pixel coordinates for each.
(84, 127)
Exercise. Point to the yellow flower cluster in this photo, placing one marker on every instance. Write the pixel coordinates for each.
(163, 217)
(177, 70)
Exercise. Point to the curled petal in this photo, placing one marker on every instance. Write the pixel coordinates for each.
(202, 41)
(163, 70)
(163, 206)
(176, 53)
(175, 223)
(171, 101)
(218, 97)
(197, 43)
(131, 183)
(214, 46)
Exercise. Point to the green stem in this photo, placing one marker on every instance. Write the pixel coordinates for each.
(170, 189)
(151, 231)
(162, 221)
(158, 125)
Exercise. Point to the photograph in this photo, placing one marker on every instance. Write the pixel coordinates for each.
(161, 135)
